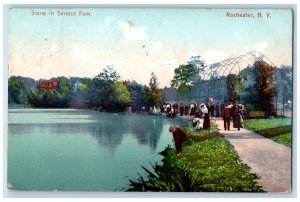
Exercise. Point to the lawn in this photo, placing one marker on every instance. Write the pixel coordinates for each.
(285, 138)
(207, 163)
(259, 124)
(278, 129)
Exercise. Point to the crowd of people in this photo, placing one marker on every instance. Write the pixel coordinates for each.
(201, 117)
(236, 112)
(202, 113)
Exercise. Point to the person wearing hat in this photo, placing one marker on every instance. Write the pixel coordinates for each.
(179, 137)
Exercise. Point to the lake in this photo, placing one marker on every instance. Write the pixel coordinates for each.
(82, 150)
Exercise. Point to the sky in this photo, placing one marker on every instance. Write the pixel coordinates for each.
(138, 41)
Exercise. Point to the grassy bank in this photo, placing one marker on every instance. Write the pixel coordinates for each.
(208, 163)
(279, 129)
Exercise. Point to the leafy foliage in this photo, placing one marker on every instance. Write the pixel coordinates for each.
(108, 75)
(16, 91)
(286, 81)
(231, 83)
(153, 95)
(47, 96)
(184, 77)
(165, 177)
(205, 164)
(264, 85)
(104, 92)
(137, 93)
(122, 95)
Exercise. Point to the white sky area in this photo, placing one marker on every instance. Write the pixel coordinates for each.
(140, 41)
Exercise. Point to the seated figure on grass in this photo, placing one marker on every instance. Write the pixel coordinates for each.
(198, 125)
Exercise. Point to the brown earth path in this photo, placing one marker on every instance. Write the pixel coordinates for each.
(269, 160)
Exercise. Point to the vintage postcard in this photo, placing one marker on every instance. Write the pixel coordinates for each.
(150, 99)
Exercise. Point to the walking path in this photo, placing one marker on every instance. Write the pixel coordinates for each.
(270, 161)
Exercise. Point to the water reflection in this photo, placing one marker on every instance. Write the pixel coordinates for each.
(107, 129)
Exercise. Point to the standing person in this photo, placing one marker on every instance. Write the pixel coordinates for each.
(186, 110)
(161, 109)
(226, 117)
(192, 113)
(212, 110)
(197, 112)
(206, 121)
(233, 112)
(208, 108)
(217, 110)
(179, 137)
(168, 109)
(239, 117)
(181, 109)
(222, 108)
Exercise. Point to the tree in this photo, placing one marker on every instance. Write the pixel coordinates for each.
(121, 95)
(48, 94)
(231, 83)
(185, 75)
(108, 74)
(16, 92)
(153, 95)
(137, 95)
(153, 82)
(264, 85)
(102, 89)
(63, 87)
(286, 81)
(196, 60)
(80, 92)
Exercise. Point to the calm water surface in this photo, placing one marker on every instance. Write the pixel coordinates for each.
(82, 150)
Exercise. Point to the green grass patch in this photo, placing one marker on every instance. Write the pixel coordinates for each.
(207, 163)
(260, 124)
(285, 138)
(201, 135)
(279, 129)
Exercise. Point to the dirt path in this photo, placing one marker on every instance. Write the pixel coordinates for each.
(269, 160)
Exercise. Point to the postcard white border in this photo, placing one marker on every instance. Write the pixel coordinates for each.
(4, 75)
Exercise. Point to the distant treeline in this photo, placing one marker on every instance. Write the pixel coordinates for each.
(105, 92)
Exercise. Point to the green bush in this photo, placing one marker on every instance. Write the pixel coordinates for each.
(167, 177)
(48, 99)
(207, 163)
